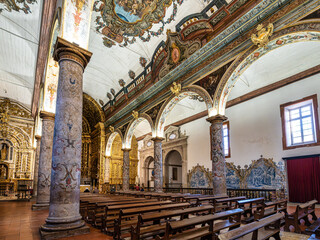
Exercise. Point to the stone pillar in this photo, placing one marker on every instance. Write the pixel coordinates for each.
(36, 166)
(158, 173)
(217, 155)
(64, 218)
(45, 159)
(126, 170)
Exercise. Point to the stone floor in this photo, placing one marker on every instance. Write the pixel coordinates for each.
(19, 222)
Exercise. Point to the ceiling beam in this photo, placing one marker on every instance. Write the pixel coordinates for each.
(48, 12)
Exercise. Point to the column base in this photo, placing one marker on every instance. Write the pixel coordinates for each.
(40, 206)
(47, 232)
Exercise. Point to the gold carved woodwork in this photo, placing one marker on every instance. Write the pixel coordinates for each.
(16, 144)
(135, 114)
(261, 38)
(175, 88)
(116, 161)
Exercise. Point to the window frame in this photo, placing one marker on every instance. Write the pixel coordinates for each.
(228, 127)
(314, 101)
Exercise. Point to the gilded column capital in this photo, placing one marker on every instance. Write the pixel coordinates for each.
(217, 119)
(47, 115)
(66, 50)
(157, 139)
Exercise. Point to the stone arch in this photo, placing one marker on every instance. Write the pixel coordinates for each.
(132, 126)
(171, 102)
(110, 139)
(298, 33)
(147, 161)
(168, 164)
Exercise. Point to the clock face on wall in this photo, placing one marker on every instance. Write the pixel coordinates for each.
(149, 144)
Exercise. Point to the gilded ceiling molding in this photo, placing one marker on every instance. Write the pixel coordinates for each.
(132, 126)
(174, 99)
(109, 140)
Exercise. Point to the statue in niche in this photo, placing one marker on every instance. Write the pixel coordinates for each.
(3, 172)
(4, 152)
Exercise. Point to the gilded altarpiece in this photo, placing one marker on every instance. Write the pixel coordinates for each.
(93, 143)
(116, 161)
(16, 138)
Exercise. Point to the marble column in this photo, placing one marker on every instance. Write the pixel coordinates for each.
(45, 158)
(158, 173)
(36, 166)
(64, 218)
(217, 155)
(126, 170)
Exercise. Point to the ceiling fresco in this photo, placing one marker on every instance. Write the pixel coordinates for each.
(122, 21)
(16, 5)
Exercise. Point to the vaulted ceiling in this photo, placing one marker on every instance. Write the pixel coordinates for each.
(19, 39)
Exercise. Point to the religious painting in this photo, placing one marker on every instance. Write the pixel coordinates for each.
(133, 10)
(175, 53)
(121, 19)
(199, 177)
(232, 179)
(77, 18)
(4, 151)
(3, 172)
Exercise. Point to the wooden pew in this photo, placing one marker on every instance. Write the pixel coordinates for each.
(223, 204)
(270, 208)
(149, 225)
(248, 206)
(185, 233)
(302, 212)
(128, 217)
(314, 228)
(113, 212)
(103, 209)
(209, 199)
(262, 229)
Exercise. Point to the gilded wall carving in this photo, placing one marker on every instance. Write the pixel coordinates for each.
(16, 142)
(116, 161)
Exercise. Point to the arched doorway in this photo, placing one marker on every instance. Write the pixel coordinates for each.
(150, 171)
(173, 169)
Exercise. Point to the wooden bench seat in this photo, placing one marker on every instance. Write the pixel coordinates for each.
(258, 230)
(106, 220)
(149, 224)
(127, 215)
(314, 228)
(269, 208)
(181, 229)
(302, 212)
(248, 206)
(223, 204)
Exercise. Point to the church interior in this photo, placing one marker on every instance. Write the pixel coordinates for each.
(159, 119)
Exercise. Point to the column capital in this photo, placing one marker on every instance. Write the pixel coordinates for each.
(157, 139)
(37, 137)
(126, 149)
(217, 119)
(66, 50)
(47, 115)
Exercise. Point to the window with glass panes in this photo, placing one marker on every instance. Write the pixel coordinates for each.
(300, 123)
(226, 140)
